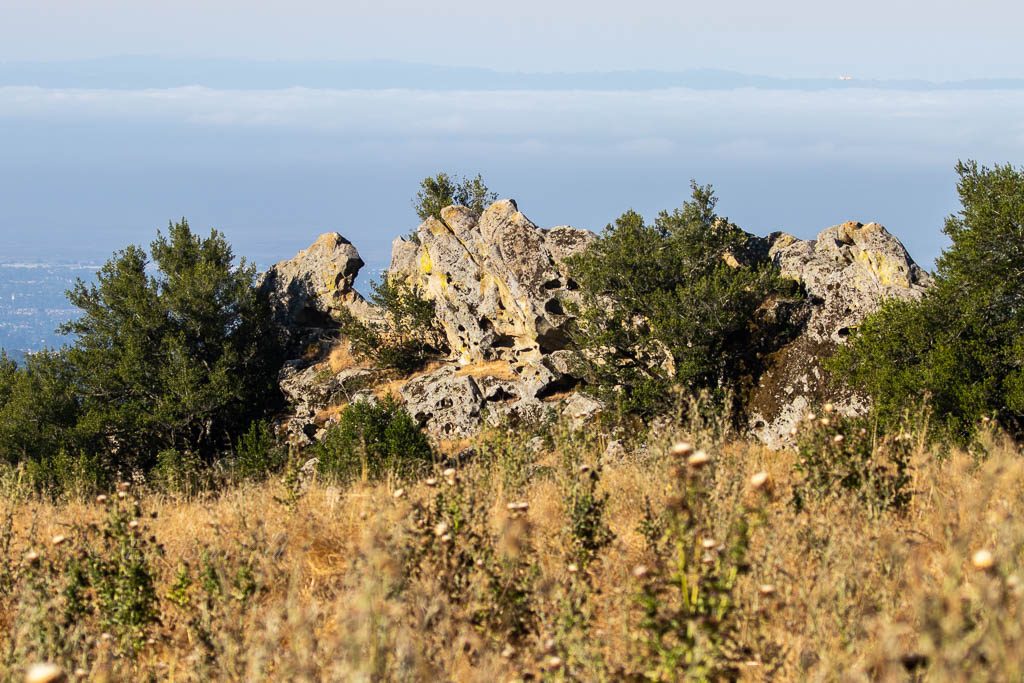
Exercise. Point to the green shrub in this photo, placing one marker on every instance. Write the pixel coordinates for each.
(961, 347)
(258, 453)
(371, 440)
(671, 305)
(102, 572)
(178, 472)
(847, 456)
(407, 335)
(440, 191)
(78, 475)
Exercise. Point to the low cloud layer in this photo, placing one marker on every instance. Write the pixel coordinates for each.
(759, 126)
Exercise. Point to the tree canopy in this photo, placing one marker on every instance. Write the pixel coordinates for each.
(960, 349)
(668, 305)
(169, 354)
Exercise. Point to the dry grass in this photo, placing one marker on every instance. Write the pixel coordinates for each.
(341, 357)
(338, 596)
(496, 369)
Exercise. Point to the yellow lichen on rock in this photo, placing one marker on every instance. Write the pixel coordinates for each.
(426, 265)
(886, 270)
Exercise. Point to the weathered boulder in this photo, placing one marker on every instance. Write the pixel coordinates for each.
(456, 401)
(499, 283)
(847, 272)
(309, 290)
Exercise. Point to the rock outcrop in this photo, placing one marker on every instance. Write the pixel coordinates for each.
(847, 271)
(500, 287)
(499, 282)
(308, 291)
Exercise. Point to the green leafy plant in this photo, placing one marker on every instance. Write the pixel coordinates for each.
(961, 347)
(687, 595)
(258, 453)
(371, 440)
(848, 456)
(441, 190)
(405, 337)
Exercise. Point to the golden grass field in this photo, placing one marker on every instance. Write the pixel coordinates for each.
(443, 579)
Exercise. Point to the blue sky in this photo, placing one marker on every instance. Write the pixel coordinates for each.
(938, 40)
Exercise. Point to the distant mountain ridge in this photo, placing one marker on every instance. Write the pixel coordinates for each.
(132, 73)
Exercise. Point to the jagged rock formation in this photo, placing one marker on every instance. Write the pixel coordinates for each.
(499, 282)
(847, 271)
(307, 292)
(500, 286)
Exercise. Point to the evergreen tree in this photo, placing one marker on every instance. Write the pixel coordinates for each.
(175, 354)
(961, 347)
(440, 191)
(668, 305)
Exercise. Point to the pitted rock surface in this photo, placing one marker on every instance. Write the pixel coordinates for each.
(499, 283)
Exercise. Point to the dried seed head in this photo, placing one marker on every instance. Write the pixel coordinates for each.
(641, 571)
(45, 673)
(399, 493)
(123, 486)
(508, 652)
(106, 637)
(766, 589)
(101, 499)
(825, 422)
(58, 539)
(983, 560)
(554, 662)
(31, 557)
(432, 481)
(441, 529)
(828, 408)
(681, 449)
(584, 469)
(708, 543)
(572, 568)
(122, 495)
(698, 460)
(811, 417)
(520, 506)
(793, 431)
(838, 438)
(760, 480)
(134, 524)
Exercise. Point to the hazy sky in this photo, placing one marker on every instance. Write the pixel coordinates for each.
(938, 39)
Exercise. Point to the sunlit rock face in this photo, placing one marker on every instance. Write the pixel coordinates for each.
(499, 282)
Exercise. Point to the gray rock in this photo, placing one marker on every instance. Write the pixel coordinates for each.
(848, 271)
(499, 283)
(445, 403)
(309, 290)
